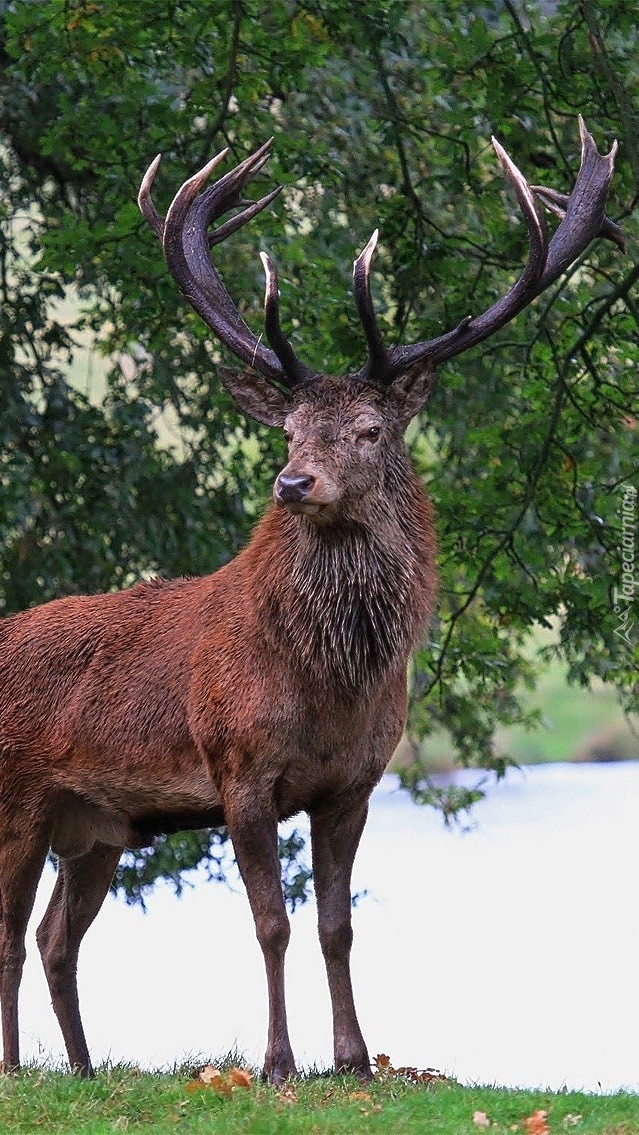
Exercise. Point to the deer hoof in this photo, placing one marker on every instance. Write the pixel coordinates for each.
(279, 1071)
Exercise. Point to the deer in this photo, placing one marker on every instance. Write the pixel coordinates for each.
(275, 685)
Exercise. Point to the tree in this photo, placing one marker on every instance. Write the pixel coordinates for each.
(382, 114)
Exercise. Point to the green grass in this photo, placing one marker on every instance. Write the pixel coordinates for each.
(577, 725)
(125, 1100)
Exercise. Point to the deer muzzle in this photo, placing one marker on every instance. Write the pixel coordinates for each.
(294, 489)
(303, 490)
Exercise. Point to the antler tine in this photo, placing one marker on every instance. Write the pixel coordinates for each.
(240, 219)
(189, 190)
(470, 331)
(556, 202)
(224, 194)
(145, 204)
(377, 353)
(185, 242)
(583, 218)
(296, 371)
(583, 210)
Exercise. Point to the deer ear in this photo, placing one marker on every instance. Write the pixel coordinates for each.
(255, 396)
(411, 391)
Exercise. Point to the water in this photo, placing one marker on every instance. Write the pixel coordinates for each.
(506, 954)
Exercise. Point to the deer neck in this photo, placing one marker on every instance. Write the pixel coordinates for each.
(348, 601)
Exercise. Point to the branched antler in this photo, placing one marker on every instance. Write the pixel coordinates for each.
(186, 241)
(582, 218)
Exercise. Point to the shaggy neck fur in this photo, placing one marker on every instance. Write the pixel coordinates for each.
(351, 599)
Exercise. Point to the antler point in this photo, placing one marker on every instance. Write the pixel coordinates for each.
(149, 176)
(366, 255)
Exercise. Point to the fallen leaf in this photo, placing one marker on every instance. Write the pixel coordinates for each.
(571, 1120)
(480, 1119)
(211, 1077)
(210, 1074)
(359, 1096)
(418, 1075)
(241, 1078)
(384, 1071)
(537, 1123)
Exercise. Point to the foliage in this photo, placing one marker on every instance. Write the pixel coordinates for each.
(122, 1099)
(175, 859)
(382, 113)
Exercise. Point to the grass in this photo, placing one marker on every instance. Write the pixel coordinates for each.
(126, 1100)
(577, 725)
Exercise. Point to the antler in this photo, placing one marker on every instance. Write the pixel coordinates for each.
(186, 241)
(582, 218)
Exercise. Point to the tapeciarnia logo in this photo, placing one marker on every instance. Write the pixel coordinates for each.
(624, 592)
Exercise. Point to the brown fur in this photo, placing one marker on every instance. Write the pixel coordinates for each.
(275, 685)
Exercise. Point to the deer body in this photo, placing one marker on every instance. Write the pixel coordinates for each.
(275, 685)
(146, 704)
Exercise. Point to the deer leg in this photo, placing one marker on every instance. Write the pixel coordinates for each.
(21, 863)
(254, 835)
(80, 890)
(335, 837)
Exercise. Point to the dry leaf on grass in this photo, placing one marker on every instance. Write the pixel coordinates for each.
(240, 1078)
(480, 1119)
(537, 1123)
(384, 1071)
(211, 1076)
(223, 1084)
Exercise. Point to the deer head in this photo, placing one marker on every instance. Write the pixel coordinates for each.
(367, 410)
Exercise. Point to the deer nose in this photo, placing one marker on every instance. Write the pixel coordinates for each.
(291, 489)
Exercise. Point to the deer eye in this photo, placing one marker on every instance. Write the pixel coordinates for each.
(287, 434)
(372, 433)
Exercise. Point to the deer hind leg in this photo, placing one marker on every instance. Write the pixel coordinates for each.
(22, 857)
(80, 890)
(253, 831)
(335, 837)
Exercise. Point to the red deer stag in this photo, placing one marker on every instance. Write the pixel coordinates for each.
(275, 685)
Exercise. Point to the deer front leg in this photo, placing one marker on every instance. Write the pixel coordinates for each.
(253, 830)
(335, 837)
